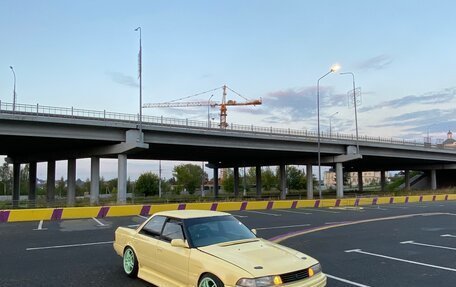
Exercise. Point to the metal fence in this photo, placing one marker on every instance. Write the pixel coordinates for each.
(61, 112)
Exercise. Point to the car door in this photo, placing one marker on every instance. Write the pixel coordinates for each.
(173, 261)
(146, 243)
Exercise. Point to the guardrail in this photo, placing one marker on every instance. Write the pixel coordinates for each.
(62, 112)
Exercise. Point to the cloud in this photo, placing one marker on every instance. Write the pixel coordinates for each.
(376, 63)
(123, 79)
(433, 98)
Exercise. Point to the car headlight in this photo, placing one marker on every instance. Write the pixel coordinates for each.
(259, 282)
(314, 269)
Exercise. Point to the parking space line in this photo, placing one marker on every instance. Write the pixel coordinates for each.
(295, 212)
(69, 245)
(279, 227)
(240, 216)
(319, 210)
(427, 245)
(263, 213)
(400, 259)
(374, 208)
(144, 217)
(346, 281)
(40, 226)
(448, 235)
(133, 225)
(98, 221)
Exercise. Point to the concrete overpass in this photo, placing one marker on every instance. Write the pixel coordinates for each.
(34, 133)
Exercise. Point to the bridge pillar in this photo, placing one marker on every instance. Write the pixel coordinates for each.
(433, 179)
(50, 193)
(407, 179)
(258, 180)
(339, 180)
(94, 180)
(283, 181)
(71, 176)
(122, 179)
(360, 181)
(382, 180)
(236, 181)
(216, 182)
(32, 184)
(309, 181)
(16, 183)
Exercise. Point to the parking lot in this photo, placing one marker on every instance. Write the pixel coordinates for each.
(410, 244)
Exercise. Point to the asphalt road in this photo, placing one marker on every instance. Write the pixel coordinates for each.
(388, 245)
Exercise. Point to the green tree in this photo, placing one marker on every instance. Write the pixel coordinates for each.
(228, 180)
(147, 184)
(24, 180)
(189, 176)
(268, 179)
(6, 178)
(296, 178)
(60, 187)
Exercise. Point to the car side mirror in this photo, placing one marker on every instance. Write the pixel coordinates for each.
(254, 231)
(179, 243)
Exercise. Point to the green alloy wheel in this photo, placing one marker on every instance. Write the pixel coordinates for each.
(130, 263)
(210, 280)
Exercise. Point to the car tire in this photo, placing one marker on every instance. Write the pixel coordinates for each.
(130, 262)
(210, 280)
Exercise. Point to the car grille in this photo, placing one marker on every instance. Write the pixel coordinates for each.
(294, 276)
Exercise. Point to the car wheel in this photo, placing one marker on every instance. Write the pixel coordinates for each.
(130, 263)
(210, 280)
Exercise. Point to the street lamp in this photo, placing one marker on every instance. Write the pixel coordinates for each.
(140, 85)
(330, 126)
(14, 89)
(208, 116)
(356, 113)
(333, 69)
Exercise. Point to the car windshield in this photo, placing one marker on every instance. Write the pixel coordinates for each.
(217, 229)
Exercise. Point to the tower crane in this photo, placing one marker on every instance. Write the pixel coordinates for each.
(223, 105)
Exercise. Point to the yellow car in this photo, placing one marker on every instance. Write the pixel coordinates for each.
(210, 249)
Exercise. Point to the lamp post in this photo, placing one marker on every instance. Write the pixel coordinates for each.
(140, 85)
(356, 113)
(333, 69)
(208, 107)
(14, 89)
(330, 126)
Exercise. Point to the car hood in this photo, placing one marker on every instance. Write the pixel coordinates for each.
(260, 257)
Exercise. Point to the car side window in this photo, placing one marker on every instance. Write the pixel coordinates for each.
(154, 226)
(172, 230)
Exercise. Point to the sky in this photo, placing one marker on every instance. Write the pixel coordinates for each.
(84, 54)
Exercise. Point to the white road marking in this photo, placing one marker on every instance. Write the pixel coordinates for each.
(295, 212)
(319, 210)
(346, 281)
(68, 246)
(427, 245)
(278, 227)
(337, 222)
(374, 208)
(40, 226)
(133, 225)
(448, 235)
(401, 260)
(263, 213)
(144, 217)
(240, 216)
(98, 221)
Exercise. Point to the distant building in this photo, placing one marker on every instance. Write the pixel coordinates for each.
(369, 177)
(449, 142)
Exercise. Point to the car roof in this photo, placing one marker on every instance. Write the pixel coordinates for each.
(186, 214)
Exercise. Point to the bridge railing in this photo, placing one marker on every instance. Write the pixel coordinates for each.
(63, 112)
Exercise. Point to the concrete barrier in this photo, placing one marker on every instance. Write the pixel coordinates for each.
(16, 215)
